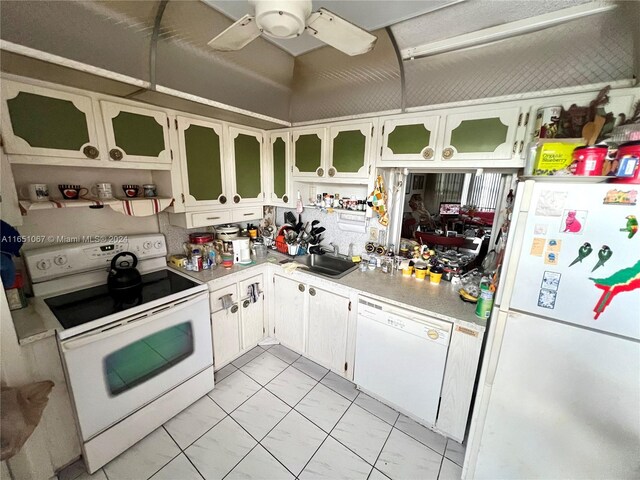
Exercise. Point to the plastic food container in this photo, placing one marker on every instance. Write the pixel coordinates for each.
(628, 158)
(588, 161)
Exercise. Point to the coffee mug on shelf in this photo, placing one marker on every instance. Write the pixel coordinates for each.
(72, 192)
(102, 190)
(149, 190)
(130, 191)
(36, 192)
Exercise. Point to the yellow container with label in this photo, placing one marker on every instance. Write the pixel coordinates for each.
(554, 156)
(421, 273)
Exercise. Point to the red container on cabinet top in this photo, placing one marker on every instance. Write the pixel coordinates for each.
(588, 161)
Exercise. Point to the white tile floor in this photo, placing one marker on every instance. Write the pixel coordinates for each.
(277, 415)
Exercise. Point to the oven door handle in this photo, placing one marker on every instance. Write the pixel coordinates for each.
(128, 324)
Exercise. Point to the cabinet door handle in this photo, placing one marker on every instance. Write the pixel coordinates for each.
(116, 154)
(285, 199)
(248, 214)
(312, 292)
(301, 287)
(332, 172)
(447, 153)
(515, 147)
(427, 153)
(320, 172)
(213, 218)
(234, 308)
(236, 199)
(223, 199)
(246, 303)
(90, 151)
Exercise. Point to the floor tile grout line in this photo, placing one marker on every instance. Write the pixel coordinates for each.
(193, 465)
(329, 434)
(385, 444)
(360, 392)
(420, 441)
(440, 469)
(258, 443)
(172, 458)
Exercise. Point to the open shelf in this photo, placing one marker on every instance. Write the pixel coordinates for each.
(338, 210)
(136, 207)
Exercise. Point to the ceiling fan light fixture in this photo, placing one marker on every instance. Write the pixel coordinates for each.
(281, 19)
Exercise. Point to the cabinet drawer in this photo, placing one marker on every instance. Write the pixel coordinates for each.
(243, 214)
(203, 219)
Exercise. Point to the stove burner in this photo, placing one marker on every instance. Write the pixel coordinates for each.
(83, 306)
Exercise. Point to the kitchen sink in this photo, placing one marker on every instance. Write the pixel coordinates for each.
(327, 264)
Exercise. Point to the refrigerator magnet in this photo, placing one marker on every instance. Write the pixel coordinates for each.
(573, 221)
(624, 280)
(604, 254)
(632, 226)
(551, 258)
(540, 229)
(620, 197)
(553, 245)
(537, 247)
(547, 298)
(550, 281)
(550, 203)
(583, 252)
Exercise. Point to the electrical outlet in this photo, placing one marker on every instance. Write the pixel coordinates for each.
(373, 234)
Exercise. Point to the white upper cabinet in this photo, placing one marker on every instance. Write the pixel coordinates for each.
(409, 140)
(350, 150)
(279, 163)
(246, 147)
(204, 176)
(44, 122)
(136, 134)
(481, 134)
(308, 147)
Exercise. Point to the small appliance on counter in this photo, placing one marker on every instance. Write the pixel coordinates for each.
(241, 251)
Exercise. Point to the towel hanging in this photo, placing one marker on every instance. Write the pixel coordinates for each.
(253, 291)
(227, 301)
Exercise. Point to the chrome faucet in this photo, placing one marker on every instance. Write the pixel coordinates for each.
(336, 249)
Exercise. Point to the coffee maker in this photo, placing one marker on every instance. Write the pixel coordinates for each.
(241, 251)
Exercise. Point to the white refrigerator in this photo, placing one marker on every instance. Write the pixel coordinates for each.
(559, 391)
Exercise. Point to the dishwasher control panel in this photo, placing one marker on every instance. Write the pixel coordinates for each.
(436, 330)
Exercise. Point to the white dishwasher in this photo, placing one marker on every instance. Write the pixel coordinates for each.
(400, 357)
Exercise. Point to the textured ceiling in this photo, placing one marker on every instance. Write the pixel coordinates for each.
(596, 49)
(471, 16)
(323, 83)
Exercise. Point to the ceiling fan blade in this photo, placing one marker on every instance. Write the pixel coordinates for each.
(241, 33)
(337, 32)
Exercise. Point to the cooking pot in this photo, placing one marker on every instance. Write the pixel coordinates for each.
(124, 279)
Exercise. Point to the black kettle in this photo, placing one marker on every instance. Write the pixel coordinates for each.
(124, 280)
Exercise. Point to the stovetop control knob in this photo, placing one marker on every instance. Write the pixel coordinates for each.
(43, 264)
(157, 245)
(60, 260)
(146, 245)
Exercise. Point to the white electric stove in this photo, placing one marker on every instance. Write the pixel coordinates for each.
(130, 365)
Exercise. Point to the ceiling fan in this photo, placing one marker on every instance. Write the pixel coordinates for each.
(282, 19)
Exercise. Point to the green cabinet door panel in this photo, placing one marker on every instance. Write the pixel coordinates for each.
(46, 122)
(139, 135)
(279, 168)
(202, 146)
(348, 151)
(482, 135)
(308, 152)
(247, 159)
(408, 139)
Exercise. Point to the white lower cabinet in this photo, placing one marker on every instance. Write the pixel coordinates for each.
(225, 326)
(252, 314)
(289, 307)
(239, 327)
(312, 321)
(327, 328)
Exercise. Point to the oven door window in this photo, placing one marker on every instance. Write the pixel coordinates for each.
(148, 357)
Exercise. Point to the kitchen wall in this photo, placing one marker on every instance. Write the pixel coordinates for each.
(333, 233)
